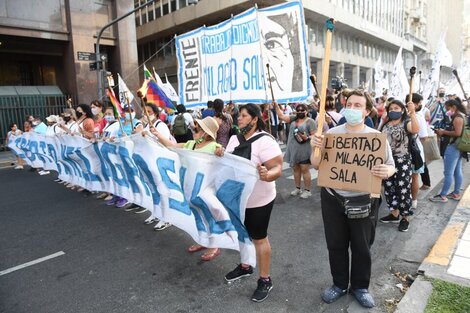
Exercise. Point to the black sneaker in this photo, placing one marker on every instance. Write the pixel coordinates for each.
(403, 226)
(262, 291)
(238, 273)
(390, 219)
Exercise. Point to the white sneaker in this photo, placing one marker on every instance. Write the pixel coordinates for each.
(161, 225)
(306, 194)
(109, 197)
(296, 192)
(44, 173)
(151, 220)
(19, 167)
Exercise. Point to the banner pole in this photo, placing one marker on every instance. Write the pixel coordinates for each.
(412, 74)
(272, 95)
(330, 25)
(141, 96)
(460, 84)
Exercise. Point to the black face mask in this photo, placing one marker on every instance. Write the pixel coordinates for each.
(79, 114)
(245, 130)
(300, 115)
(67, 119)
(441, 95)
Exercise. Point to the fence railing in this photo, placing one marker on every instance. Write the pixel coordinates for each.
(15, 109)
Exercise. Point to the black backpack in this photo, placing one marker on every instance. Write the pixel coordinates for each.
(244, 148)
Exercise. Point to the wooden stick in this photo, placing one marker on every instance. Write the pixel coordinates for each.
(142, 103)
(313, 79)
(460, 83)
(412, 74)
(272, 96)
(330, 25)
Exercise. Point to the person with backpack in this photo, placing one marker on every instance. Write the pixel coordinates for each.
(182, 124)
(255, 144)
(452, 156)
(401, 124)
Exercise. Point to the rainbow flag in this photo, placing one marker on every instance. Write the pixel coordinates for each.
(154, 93)
(114, 101)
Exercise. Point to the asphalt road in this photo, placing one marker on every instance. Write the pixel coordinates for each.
(114, 263)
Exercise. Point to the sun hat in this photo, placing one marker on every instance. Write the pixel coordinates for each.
(52, 118)
(209, 125)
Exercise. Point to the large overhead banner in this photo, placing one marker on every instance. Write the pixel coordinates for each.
(228, 60)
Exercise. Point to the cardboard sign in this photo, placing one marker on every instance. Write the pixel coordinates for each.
(347, 160)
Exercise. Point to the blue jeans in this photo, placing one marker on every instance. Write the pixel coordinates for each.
(452, 170)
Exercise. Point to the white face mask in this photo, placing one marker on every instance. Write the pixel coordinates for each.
(95, 111)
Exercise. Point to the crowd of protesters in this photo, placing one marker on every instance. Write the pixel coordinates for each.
(223, 126)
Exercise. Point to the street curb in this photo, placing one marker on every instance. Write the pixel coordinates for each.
(416, 298)
(436, 264)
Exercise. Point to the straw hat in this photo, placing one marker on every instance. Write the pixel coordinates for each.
(209, 125)
(52, 118)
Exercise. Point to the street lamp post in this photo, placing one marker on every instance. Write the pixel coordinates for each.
(98, 55)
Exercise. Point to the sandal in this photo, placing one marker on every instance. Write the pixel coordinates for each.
(195, 248)
(210, 256)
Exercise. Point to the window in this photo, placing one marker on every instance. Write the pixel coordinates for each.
(166, 8)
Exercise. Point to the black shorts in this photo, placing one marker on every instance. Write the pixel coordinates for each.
(305, 162)
(257, 221)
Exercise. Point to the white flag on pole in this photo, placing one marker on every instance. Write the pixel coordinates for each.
(166, 87)
(170, 91)
(124, 91)
(442, 57)
(379, 77)
(398, 82)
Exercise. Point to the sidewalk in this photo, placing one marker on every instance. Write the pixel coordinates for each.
(448, 260)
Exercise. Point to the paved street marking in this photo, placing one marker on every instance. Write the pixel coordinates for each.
(12, 269)
(441, 253)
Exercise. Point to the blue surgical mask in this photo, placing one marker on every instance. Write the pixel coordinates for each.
(394, 115)
(109, 118)
(353, 117)
(128, 116)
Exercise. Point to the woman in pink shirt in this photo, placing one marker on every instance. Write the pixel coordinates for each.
(267, 156)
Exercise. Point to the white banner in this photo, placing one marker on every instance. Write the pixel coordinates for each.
(228, 60)
(399, 85)
(202, 194)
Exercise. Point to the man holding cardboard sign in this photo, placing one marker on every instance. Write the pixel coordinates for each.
(353, 160)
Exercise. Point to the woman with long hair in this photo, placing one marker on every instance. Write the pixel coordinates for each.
(267, 156)
(225, 122)
(452, 156)
(397, 188)
(298, 148)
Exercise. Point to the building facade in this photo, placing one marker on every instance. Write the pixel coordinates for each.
(364, 30)
(52, 42)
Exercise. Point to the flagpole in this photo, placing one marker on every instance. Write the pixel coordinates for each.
(272, 97)
(129, 109)
(330, 25)
(141, 96)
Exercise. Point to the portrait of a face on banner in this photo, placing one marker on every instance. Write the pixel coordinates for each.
(228, 60)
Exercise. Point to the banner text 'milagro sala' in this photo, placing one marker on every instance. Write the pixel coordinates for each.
(228, 60)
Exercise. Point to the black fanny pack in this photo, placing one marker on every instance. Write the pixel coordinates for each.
(354, 207)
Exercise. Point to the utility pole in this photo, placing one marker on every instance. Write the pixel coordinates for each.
(98, 55)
